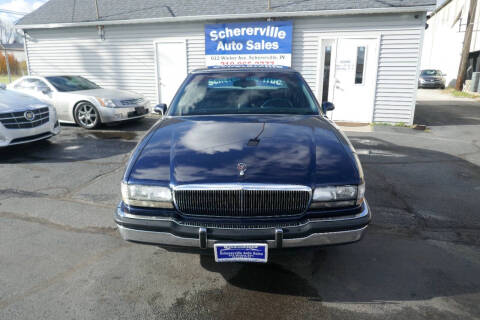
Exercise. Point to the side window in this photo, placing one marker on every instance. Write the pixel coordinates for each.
(32, 84)
(38, 85)
(360, 66)
(22, 84)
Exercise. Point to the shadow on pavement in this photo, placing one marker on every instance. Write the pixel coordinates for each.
(447, 113)
(409, 252)
(77, 144)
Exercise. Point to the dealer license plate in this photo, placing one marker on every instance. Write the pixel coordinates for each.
(241, 252)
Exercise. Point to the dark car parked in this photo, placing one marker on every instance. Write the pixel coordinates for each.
(431, 79)
(244, 160)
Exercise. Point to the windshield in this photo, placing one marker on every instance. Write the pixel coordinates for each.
(72, 83)
(244, 93)
(431, 73)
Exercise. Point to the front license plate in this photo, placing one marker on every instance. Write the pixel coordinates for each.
(241, 252)
(140, 110)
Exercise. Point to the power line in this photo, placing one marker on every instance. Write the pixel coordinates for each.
(13, 12)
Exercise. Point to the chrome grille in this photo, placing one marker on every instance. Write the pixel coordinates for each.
(132, 102)
(17, 120)
(242, 200)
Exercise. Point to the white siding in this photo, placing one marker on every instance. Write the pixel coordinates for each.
(125, 59)
(444, 39)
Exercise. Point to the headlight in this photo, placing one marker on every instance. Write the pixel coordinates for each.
(106, 103)
(337, 196)
(147, 196)
(334, 193)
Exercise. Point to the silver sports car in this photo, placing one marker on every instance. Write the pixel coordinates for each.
(81, 101)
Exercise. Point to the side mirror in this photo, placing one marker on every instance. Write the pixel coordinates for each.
(3, 86)
(444, 74)
(160, 108)
(46, 91)
(327, 106)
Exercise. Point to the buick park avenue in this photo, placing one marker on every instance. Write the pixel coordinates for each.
(243, 161)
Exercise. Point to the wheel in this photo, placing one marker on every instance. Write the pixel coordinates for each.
(87, 116)
(442, 87)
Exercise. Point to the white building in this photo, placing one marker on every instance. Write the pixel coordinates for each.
(362, 55)
(444, 38)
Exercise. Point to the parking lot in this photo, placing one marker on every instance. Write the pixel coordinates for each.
(61, 257)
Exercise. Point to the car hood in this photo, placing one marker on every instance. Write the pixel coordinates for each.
(109, 94)
(303, 150)
(11, 101)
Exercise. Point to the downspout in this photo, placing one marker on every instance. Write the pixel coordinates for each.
(100, 28)
(25, 48)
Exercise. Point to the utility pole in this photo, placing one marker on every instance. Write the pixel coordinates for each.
(462, 70)
(8, 65)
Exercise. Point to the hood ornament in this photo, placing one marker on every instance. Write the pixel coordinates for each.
(242, 167)
(29, 115)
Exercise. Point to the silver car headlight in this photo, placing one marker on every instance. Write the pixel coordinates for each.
(147, 196)
(109, 103)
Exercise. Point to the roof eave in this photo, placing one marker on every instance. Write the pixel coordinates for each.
(230, 17)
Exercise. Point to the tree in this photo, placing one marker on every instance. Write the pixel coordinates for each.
(7, 31)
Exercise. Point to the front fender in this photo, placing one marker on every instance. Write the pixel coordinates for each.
(75, 99)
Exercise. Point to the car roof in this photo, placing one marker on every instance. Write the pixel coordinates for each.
(245, 69)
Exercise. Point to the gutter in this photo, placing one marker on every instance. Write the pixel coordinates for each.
(249, 16)
(437, 10)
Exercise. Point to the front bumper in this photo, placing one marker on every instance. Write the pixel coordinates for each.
(431, 85)
(122, 113)
(309, 232)
(10, 137)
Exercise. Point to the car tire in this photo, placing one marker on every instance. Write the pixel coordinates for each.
(442, 87)
(87, 116)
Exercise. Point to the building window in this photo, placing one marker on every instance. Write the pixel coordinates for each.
(326, 72)
(360, 65)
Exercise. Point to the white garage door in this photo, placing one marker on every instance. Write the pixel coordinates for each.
(348, 77)
(171, 68)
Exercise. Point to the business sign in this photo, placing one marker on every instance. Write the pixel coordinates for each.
(250, 43)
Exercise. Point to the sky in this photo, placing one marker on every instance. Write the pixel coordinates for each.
(24, 6)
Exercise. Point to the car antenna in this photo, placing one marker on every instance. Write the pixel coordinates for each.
(255, 141)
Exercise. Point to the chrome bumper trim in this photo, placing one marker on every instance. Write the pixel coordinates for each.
(31, 140)
(305, 222)
(316, 239)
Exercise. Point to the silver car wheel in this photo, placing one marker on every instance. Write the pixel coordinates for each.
(87, 116)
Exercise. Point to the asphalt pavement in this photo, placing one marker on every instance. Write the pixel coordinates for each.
(62, 258)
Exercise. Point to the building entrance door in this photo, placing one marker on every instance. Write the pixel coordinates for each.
(171, 57)
(348, 77)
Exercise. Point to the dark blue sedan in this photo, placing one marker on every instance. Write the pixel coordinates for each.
(243, 161)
